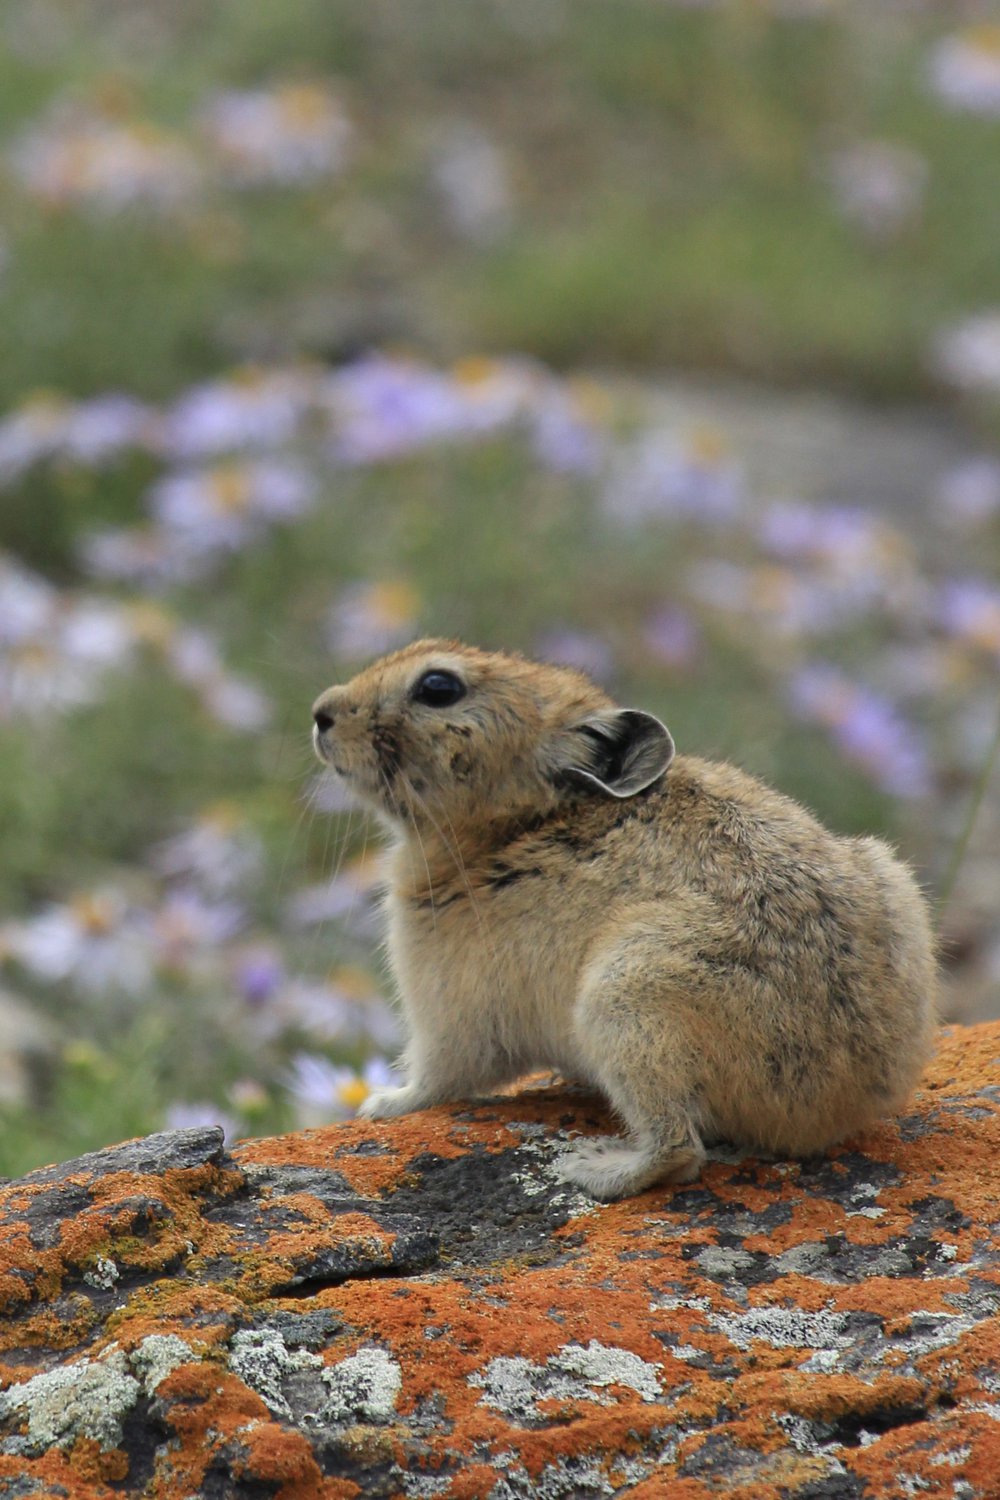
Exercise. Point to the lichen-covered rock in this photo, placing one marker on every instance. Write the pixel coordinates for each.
(420, 1308)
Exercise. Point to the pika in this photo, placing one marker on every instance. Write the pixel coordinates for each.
(565, 892)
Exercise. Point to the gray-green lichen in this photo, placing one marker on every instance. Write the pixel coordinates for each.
(90, 1398)
(576, 1372)
(363, 1388)
(263, 1361)
(158, 1356)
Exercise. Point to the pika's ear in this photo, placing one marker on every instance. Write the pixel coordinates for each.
(619, 753)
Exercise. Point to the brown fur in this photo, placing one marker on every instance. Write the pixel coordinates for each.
(697, 946)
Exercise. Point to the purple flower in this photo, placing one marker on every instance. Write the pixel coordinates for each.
(563, 440)
(292, 133)
(323, 1090)
(259, 975)
(970, 609)
(350, 899)
(91, 432)
(866, 727)
(576, 648)
(144, 555)
(74, 156)
(102, 427)
(672, 635)
(187, 923)
(227, 506)
(971, 491)
(326, 793)
(386, 408)
(964, 70)
(370, 619)
(692, 481)
(219, 852)
(249, 409)
(967, 354)
(185, 1116)
(834, 533)
(785, 602)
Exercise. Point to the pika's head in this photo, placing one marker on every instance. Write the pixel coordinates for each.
(444, 733)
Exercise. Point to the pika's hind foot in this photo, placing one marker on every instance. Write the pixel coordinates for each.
(386, 1104)
(609, 1167)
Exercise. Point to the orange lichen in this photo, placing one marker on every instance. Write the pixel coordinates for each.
(56, 1476)
(273, 1455)
(50, 1328)
(341, 1148)
(94, 1464)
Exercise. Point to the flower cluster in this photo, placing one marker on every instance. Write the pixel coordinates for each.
(188, 924)
(107, 941)
(293, 133)
(233, 449)
(385, 408)
(77, 156)
(290, 133)
(684, 477)
(248, 451)
(55, 650)
(867, 728)
(58, 648)
(199, 515)
(91, 433)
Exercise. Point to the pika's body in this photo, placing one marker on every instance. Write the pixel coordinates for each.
(563, 892)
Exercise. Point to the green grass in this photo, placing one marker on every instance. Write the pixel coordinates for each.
(668, 178)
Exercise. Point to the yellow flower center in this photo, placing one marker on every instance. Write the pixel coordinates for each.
(474, 369)
(393, 603)
(151, 624)
(94, 913)
(231, 488)
(354, 1093)
(985, 38)
(707, 445)
(304, 104)
(222, 817)
(353, 982)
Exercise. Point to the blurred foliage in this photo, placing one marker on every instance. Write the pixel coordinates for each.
(667, 168)
(668, 204)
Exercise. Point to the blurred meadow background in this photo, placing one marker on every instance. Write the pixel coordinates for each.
(661, 339)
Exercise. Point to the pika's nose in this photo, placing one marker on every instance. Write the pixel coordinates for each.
(323, 711)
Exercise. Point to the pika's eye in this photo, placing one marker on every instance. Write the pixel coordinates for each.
(439, 689)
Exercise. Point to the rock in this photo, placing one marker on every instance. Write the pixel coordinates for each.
(420, 1308)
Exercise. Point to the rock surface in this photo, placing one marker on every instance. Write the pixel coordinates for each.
(419, 1308)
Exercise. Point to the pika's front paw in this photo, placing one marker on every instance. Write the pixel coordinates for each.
(385, 1104)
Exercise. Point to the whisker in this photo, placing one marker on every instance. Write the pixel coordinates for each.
(367, 828)
(455, 851)
(423, 852)
(285, 737)
(306, 810)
